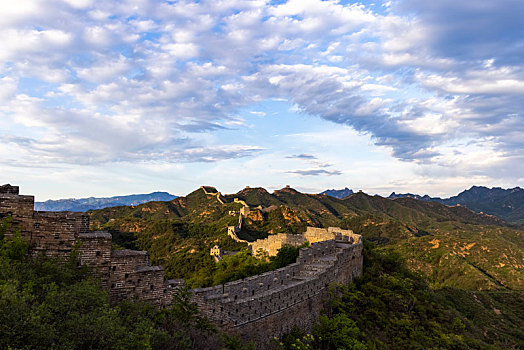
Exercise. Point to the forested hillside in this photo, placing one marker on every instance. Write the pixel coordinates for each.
(434, 276)
(452, 245)
(392, 307)
(507, 204)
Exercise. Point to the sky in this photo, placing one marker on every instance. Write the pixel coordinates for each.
(104, 98)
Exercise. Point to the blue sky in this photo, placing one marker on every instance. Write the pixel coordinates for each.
(101, 98)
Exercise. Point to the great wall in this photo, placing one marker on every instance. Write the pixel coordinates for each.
(256, 308)
(126, 274)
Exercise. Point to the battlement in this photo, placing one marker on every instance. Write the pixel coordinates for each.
(270, 304)
(125, 273)
(9, 189)
(256, 308)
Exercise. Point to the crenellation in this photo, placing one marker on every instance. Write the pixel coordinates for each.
(257, 308)
(125, 273)
(283, 292)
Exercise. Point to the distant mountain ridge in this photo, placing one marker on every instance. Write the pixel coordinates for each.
(338, 193)
(507, 204)
(424, 198)
(85, 204)
(452, 245)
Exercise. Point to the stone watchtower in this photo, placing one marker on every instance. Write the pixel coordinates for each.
(257, 308)
(216, 253)
(19, 208)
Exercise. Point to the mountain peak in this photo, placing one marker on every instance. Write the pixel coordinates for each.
(338, 193)
(287, 189)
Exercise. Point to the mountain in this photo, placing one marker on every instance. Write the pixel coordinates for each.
(338, 193)
(424, 198)
(452, 245)
(85, 204)
(507, 204)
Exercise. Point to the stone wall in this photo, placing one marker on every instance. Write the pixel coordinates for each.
(209, 190)
(257, 308)
(314, 234)
(55, 233)
(133, 277)
(127, 274)
(20, 208)
(273, 243)
(95, 252)
(264, 306)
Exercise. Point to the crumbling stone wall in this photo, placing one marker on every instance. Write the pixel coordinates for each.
(20, 208)
(125, 273)
(133, 277)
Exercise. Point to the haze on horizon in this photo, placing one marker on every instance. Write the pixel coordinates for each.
(135, 96)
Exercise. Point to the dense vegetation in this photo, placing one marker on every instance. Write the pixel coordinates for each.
(391, 307)
(45, 304)
(242, 265)
(49, 305)
(453, 246)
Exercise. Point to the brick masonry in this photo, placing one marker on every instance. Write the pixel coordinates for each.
(257, 308)
(126, 274)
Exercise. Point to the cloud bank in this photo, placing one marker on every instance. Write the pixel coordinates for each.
(89, 82)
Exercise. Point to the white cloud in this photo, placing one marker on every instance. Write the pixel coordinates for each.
(139, 79)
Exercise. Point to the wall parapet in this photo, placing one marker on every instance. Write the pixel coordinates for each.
(9, 189)
(257, 308)
(270, 304)
(125, 273)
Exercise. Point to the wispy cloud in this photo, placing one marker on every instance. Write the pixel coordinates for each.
(302, 156)
(95, 82)
(314, 172)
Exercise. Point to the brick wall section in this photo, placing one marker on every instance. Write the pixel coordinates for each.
(273, 243)
(20, 208)
(95, 252)
(264, 306)
(125, 273)
(55, 233)
(123, 265)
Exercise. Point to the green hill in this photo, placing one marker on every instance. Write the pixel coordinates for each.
(507, 204)
(452, 245)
